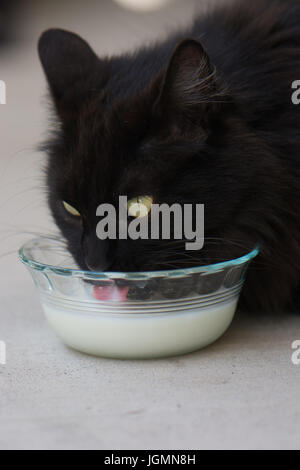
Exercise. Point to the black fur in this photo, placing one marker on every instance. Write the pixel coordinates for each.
(203, 117)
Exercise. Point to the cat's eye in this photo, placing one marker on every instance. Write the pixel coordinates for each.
(139, 206)
(71, 210)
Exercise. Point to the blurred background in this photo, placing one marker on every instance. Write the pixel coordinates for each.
(110, 26)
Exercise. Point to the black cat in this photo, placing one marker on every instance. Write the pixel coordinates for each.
(205, 116)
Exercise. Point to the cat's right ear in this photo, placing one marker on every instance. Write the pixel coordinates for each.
(67, 61)
(189, 88)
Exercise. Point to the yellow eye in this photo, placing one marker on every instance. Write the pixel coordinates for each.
(71, 209)
(139, 206)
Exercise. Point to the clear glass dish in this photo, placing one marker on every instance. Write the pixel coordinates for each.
(134, 315)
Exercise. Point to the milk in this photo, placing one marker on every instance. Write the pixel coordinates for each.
(140, 335)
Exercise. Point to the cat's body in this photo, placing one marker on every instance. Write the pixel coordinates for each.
(214, 126)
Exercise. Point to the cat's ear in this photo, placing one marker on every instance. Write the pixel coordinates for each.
(67, 60)
(189, 79)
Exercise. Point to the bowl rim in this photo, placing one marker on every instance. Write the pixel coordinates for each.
(108, 275)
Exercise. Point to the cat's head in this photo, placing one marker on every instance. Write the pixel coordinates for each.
(156, 123)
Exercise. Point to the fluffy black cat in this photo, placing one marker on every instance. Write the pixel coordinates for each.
(205, 116)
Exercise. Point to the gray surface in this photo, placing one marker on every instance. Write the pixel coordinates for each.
(242, 392)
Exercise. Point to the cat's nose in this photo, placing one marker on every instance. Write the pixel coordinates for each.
(97, 262)
(97, 256)
(92, 266)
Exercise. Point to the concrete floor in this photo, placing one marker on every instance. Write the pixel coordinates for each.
(241, 392)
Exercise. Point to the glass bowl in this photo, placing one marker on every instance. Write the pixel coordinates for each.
(134, 315)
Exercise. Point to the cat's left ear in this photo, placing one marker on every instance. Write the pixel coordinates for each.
(189, 80)
(68, 61)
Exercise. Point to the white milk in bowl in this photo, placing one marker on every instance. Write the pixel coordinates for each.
(157, 333)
